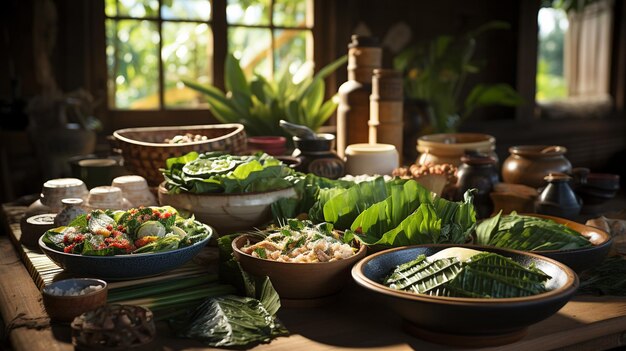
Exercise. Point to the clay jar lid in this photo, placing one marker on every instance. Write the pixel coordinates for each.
(55, 190)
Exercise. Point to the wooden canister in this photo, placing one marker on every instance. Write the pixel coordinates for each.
(364, 55)
(385, 124)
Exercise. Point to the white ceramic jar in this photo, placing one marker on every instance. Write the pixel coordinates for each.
(53, 192)
(107, 198)
(371, 159)
(135, 189)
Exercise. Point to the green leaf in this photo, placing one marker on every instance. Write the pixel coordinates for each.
(485, 275)
(223, 110)
(324, 112)
(486, 95)
(486, 229)
(234, 78)
(231, 321)
(312, 101)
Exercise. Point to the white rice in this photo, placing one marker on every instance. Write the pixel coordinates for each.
(73, 291)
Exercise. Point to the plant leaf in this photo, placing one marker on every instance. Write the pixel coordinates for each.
(234, 78)
(486, 95)
(222, 108)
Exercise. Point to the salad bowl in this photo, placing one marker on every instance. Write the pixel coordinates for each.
(123, 267)
(466, 321)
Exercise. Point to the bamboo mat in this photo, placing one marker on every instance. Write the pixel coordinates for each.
(43, 271)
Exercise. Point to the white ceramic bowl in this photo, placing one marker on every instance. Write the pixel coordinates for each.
(227, 213)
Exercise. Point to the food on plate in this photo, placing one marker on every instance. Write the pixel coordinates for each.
(138, 230)
(216, 172)
(528, 233)
(187, 138)
(461, 272)
(301, 242)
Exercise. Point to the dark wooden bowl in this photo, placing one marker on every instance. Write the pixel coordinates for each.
(467, 321)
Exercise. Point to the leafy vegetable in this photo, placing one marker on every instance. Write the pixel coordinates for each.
(608, 278)
(528, 233)
(138, 230)
(484, 275)
(231, 321)
(222, 173)
(409, 216)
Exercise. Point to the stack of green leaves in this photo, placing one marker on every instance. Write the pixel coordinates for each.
(395, 213)
(484, 275)
(215, 172)
(528, 233)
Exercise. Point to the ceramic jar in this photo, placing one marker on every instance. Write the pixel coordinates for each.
(529, 164)
(135, 189)
(478, 172)
(316, 156)
(72, 208)
(53, 192)
(33, 227)
(557, 198)
(371, 159)
(107, 198)
(449, 147)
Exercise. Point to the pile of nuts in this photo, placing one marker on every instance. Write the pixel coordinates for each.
(416, 171)
(187, 138)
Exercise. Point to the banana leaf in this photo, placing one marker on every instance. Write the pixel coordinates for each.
(342, 207)
(528, 233)
(485, 275)
(230, 321)
(439, 221)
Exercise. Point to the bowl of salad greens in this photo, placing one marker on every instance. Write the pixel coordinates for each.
(231, 193)
(577, 245)
(467, 295)
(118, 245)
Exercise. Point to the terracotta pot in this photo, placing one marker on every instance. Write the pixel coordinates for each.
(529, 164)
(272, 145)
(448, 148)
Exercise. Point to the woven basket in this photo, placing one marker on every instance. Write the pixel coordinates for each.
(145, 151)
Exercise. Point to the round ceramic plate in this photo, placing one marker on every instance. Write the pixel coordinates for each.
(122, 267)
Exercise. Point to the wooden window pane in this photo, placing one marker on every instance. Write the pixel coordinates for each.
(290, 13)
(133, 64)
(291, 48)
(249, 12)
(186, 10)
(138, 8)
(187, 54)
(253, 47)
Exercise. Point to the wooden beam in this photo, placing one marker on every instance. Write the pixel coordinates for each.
(527, 58)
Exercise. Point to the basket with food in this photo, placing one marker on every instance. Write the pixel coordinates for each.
(145, 150)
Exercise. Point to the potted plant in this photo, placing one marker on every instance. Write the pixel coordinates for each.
(259, 104)
(435, 75)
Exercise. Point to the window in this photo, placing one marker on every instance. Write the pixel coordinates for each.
(151, 45)
(574, 55)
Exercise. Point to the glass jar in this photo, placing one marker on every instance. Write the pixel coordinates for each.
(317, 156)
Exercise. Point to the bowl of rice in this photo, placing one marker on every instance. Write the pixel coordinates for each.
(307, 266)
(68, 298)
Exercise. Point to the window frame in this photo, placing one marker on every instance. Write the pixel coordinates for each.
(114, 119)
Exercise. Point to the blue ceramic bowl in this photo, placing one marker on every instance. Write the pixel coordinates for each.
(468, 322)
(121, 267)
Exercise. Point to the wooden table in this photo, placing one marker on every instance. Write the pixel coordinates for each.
(356, 320)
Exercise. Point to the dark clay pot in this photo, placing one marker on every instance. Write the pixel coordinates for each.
(557, 198)
(529, 164)
(478, 172)
(316, 156)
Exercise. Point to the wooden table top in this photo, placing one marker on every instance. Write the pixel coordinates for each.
(355, 320)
